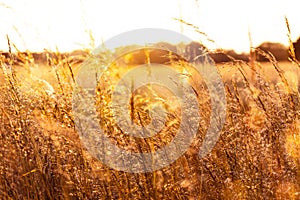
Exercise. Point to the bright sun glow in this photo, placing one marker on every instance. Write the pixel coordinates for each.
(38, 25)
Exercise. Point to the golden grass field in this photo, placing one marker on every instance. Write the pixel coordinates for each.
(256, 157)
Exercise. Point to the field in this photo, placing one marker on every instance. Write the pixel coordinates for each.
(256, 157)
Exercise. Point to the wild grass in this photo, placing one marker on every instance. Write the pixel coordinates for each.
(256, 156)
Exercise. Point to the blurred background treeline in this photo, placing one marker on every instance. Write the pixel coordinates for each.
(278, 50)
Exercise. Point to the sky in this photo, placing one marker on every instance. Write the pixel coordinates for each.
(65, 25)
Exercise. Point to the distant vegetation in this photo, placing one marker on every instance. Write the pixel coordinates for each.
(279, 51)
(296, 46)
